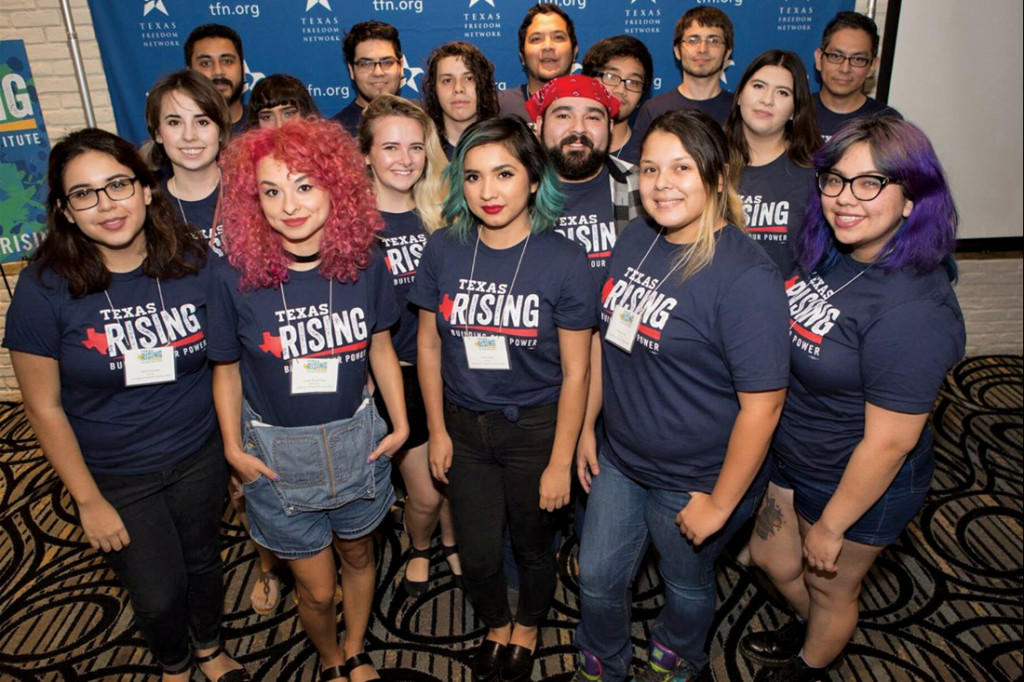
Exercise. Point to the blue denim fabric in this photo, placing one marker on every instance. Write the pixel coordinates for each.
(326, 485)
(881, 524)
(623, 517)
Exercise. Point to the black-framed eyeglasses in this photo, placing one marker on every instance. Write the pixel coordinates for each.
(858, 60)
(368, 65)
(864, 187)
(85, 198)
(613, 79)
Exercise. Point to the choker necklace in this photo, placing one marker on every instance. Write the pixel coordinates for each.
(311, 258)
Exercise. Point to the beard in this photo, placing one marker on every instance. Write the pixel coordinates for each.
(236, 89)
(577, 165)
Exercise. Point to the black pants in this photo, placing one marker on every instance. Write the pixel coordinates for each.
(494, 484)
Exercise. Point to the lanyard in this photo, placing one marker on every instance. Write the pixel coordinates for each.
(472, 270)
(640, 304)
(330, 302)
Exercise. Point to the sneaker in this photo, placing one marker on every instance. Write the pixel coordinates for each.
(794, 671)
(663, 665)
(588, 668)
(774, 647)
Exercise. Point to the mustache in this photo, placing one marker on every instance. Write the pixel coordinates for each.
(574, 139)
(223, 81)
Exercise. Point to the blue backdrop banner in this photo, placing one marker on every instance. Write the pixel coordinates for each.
(24, 149)
(141, 40)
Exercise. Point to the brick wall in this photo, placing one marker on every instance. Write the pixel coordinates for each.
(989, 289)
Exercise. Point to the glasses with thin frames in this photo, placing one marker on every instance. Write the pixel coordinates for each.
(711, 41)
(864, 187)
(857, 60)
(368, 65)
(613, 79)
(85, 198)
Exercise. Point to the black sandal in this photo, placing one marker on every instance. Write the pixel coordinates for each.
(359, 660)
(236, 675)
(415, 588)
(335, 672)
(448, 551)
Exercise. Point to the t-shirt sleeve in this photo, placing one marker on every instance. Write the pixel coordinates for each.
(222, 325)
(32, 318)
(752, 322)
(576, 307)
(382, 291)
(424, 289)
(906, 353)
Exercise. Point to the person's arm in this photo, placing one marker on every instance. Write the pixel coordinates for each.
(751, 434)
(888, 437)
(586, 447)
(39, 378)
(555, 482)
(388, 377)
(227, 400)
(428, 368)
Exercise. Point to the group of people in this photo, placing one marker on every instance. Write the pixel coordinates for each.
(739, 302)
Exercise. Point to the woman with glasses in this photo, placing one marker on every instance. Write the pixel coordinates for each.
(693, 371)
(189, 124)
(506, 313)
(458, 91)
(772, 135)
(874, 327)
(107, 333)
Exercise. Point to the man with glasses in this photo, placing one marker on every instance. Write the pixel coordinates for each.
(374, 57)
(703, 43)
(847, 57)
(623, 64)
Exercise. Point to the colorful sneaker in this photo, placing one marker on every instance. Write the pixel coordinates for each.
(663, 665)
(588, 668)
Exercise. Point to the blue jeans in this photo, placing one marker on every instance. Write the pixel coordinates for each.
(623, 517)
(171, 567)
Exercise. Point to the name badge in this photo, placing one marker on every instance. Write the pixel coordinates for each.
(486, 352)
(149, 366)
(314, 375)
(622, 328)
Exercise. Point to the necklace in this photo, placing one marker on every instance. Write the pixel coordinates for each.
(311, 258)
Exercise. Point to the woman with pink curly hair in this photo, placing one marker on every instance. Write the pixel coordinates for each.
(301, 305)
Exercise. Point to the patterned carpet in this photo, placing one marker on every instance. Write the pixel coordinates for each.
(943, 603)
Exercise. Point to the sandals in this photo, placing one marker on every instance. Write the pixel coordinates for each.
(335, 672)
(359, 660)
(271, 593)
(415, 588)
(449, 551)
(236, 675)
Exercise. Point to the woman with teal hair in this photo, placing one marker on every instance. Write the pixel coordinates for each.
(507, 306)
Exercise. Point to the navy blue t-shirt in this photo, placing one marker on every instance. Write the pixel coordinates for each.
(887, 338)
(121, 430)
(774, 200)
(589, 220)
(512, 102)
(554, 289)
(242, 124)
(402, 240)
(199, 214)
(829, 122)
(322, 319)
(717, 108)
(350, 117)
(670, 404)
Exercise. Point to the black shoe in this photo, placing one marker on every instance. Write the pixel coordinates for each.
(774, 647)
(794, 671)
(487, 660)
(416, 588)
(516, 664)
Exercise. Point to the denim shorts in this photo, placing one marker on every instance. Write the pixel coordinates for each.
(881, 524)
(326, 485)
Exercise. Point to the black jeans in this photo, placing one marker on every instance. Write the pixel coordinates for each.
(494, 483)
(171, 566)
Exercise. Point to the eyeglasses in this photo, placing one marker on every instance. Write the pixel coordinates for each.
(612, 80)
(85, 198)
(864, 187)
(711, 41)
(857, 60)
(368, 65)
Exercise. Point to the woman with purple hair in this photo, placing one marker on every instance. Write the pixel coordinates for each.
(874, 327)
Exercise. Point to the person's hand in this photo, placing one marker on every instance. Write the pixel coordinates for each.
(822, 547)
(235, 491)
(440, 454)
(249, 467)
(554, 487)
(701, 518)
(586, 458)
(103, 526)
(389, 444)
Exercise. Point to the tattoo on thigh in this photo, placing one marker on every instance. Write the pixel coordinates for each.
(769, 519)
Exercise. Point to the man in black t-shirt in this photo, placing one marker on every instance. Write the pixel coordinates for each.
(215, 50)
(547, 49)
(846, 59)
(373, 53)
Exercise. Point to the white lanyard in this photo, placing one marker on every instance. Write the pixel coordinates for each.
(144, 366)
(314, 375)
